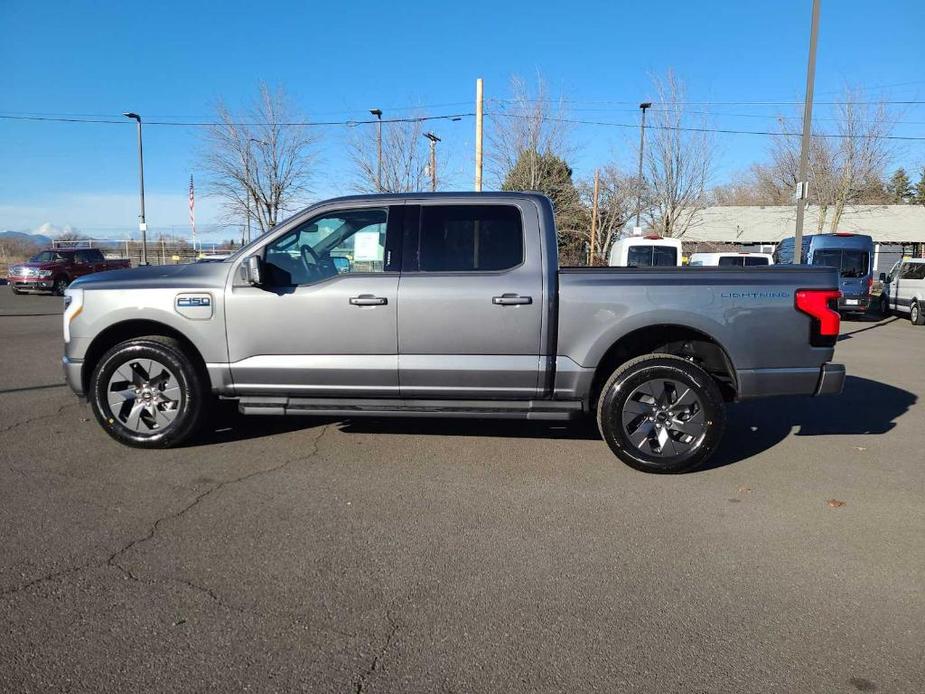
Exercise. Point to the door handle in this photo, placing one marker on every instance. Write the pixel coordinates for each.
(511, 300)
(368, 300)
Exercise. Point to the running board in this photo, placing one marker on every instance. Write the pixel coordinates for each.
(372, 407)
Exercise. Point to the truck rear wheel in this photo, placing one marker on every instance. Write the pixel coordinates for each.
(661, 413)
(147, 392)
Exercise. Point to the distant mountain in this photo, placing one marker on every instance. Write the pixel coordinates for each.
(37, 239)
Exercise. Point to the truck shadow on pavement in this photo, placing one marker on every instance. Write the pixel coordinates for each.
(864, 407)
(752, 427)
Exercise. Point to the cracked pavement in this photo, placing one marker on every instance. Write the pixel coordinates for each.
(375, 556)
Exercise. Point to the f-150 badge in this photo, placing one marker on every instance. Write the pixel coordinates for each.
(194, 306)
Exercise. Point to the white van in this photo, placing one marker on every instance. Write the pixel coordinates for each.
(731, 259)
(645, 251)
(904, 289)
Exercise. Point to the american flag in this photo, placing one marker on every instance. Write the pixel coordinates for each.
(192, 208)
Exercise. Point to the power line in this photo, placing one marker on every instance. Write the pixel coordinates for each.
(306, 124)
(723, 131)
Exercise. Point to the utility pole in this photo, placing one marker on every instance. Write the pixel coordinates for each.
(142, 224)
(642, 144)
(433, 159)
(478, 133)
(803, 184)
(377, 112)
(597, 181)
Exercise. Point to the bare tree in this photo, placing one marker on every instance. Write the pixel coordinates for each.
(846, 163)
(260, 161)
(405, 157)
(616, 204)
(525, 131)
(679, 161)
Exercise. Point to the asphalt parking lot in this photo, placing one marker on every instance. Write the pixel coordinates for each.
(345, 556)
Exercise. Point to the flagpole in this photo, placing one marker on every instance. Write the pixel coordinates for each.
(192, 210)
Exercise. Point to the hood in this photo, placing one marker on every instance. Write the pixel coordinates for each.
(190, 276)
(38, 266)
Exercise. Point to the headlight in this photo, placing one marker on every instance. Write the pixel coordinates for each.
(43, 273)
(73, 305)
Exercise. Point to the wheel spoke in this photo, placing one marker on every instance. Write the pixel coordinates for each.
(641, 435)
(663, 417)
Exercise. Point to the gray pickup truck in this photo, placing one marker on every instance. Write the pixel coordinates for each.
(447, 305)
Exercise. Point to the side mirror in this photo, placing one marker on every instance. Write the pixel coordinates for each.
(253, 270)
(883, 277)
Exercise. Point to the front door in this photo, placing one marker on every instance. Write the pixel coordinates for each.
(472, 302)
(323, 321)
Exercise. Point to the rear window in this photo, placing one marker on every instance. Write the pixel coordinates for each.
(849, 262)
(730, 261)
(470, 238)
(751, 261)
(652, 256)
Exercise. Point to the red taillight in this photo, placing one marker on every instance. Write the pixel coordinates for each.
(817, 304)
(870, 284)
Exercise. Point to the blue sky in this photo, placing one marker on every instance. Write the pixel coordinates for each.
(173, 60)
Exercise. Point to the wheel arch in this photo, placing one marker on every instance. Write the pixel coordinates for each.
(129, 329)
(679, 340)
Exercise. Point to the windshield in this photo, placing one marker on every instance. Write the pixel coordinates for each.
(850, 263)
(46, 257)
(651, 256)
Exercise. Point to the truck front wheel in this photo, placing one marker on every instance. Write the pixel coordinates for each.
(661, 413)
(60, 285)
(147, 392)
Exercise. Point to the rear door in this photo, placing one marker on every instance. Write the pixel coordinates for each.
(471, 301)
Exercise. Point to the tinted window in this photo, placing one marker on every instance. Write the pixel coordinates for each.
(913, 271)
(649, 256)
(849, 263)
(730, 260)
(89, 256)
(752, 261)
(664, 256)
(470, 238)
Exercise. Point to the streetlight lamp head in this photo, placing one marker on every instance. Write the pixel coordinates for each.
(133, 116)
(645, 105)
(377, 112)
(432, 137)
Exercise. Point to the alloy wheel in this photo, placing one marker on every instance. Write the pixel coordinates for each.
(144, 395)
(664, 417)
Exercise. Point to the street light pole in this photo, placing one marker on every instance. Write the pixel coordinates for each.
(433, 159)
(377, 112)
(142, 225)
(802, 186)
(642, 144)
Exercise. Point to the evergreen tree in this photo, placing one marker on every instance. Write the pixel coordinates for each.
(899, 187)
(919, 193)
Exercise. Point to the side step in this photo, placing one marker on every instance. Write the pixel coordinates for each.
(373, 407)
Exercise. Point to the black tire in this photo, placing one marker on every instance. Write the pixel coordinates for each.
(190, 391)
(679, 456)
(915, 314)
(60, 285)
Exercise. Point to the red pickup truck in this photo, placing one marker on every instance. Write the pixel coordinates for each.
(54, 269)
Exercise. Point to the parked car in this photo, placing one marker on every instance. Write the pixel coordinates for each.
(730, 259)
(645, 251)
(850, 254)
(54, 269)
(904, 289)
(454, 306)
